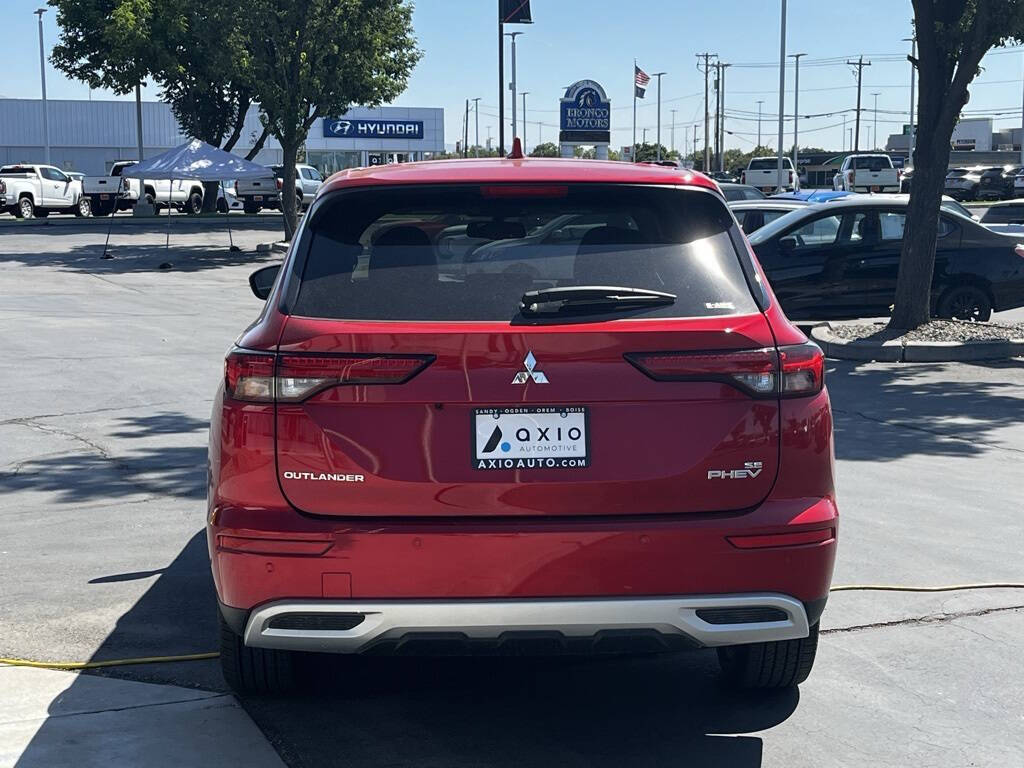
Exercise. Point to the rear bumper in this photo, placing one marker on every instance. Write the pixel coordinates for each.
(360, 626)
(261, 557)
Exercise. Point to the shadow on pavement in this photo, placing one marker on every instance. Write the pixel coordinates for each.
(94, 474)
(886, 412)
(133, 257)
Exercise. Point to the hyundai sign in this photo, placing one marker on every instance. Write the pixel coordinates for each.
(341, 128)
(585, 114)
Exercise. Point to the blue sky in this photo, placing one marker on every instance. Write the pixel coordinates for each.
(598, 39)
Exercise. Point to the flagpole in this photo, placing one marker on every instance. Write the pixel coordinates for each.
(633, 156)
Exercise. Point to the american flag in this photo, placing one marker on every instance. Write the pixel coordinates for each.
(641, 79)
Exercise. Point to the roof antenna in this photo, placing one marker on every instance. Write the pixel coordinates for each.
(517, 149)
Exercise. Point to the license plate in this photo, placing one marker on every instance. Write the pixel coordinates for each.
(546, 437)
(258, 198)
(876, 188)
(104, 197)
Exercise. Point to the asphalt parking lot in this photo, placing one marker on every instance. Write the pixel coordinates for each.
(111, 370)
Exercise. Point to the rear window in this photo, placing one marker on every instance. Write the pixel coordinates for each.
(872, 163)
(769, 164)
(465, 253)
(277, 170)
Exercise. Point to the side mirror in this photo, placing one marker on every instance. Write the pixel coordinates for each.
(262, 281)
(787, 244)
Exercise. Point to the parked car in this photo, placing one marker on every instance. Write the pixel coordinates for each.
(906, 178)
(763, 173)
(740, 192)
(868, 173)
(1018, 184)
(227, 197)
(407, 459)
(1009, 212)
(28, 191)
(997, 183)
(116, 191)
(260, 193)
(963, 183)
(724, 176)
(840, 260)
(754, 214)
(811, 195)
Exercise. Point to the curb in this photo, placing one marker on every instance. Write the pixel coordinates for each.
(914, 351)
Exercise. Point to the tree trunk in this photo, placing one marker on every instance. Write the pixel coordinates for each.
(210, 189)
(258, 145)
(290, 151)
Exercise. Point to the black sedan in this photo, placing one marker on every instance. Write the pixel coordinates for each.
(840, 260)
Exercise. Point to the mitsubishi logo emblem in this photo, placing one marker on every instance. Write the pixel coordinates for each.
(531, 372)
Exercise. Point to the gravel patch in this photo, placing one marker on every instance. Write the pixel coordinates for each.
(936, 330)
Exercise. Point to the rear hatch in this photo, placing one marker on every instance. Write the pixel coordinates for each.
(412, 383)
(260, 186)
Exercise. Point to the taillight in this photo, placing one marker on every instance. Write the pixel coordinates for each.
(1019, 250)
(3, 188)
(853, 177)
(279, 182)
(293, 378)
(249, 376)
(743, 177)
(792, 371)
(802, 370)
(790, 177)
(751, 370)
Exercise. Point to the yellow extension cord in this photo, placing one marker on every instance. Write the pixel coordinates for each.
(214, 654)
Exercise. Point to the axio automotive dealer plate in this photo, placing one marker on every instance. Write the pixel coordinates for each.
(547, 437)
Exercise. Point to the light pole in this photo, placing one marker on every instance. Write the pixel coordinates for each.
(659, 75)
(874, 131)
(42, 78)
(782, 88)
(476, 117)
(673, 129)
(759, 103)
(523, 94)
(512, 85)
(796, 111)
(913, 79)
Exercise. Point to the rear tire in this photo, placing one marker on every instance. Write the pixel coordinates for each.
(25, 209)
(254, 670)
(779, 664)
(965, 302)
(41, 213)
(194, 205)
(250, 207)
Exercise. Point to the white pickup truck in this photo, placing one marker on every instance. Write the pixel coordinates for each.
(868, 173)
(115, 190)
(266, 192)
(763, 173)
(28, 191)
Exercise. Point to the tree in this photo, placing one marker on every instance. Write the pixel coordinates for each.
(952, 38)
(547, 149)
(649, 153)
(316, 58)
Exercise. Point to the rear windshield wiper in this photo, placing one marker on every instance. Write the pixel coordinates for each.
(583, 298)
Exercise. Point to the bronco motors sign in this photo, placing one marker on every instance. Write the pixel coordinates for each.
(341, 128)
(585, 114)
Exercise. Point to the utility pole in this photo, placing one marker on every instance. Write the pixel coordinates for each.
(874, 131)
(718, 107)
(782, 89)
(501, 85)
(138, 118)
(721, 125)
(796, 110)
(913, 80)
(659, 75)
(42, 80)
(707, 159)
(759, 103)
(673, 129)
(523, 94)
(844, 132)
(476, 117)
(512, 84)
(859, 64)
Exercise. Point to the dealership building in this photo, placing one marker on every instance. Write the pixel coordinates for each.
(90, 136)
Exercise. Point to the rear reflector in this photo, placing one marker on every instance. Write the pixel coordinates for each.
(262, 546)
(770, 540)
(292, 378)
(791, 371)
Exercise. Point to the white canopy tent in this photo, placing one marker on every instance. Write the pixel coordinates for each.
(194, 160)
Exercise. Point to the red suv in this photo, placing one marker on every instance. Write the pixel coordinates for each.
(520, 406)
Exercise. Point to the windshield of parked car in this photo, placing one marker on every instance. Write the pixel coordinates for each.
(872, 163)
(465, 252)
(769, 164)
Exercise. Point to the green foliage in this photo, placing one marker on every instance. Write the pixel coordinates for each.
(316, 58)
(649, 153)
(547, 149)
